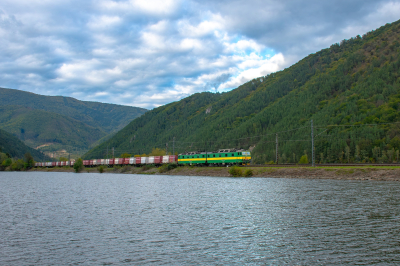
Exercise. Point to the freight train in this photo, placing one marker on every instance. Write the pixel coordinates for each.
(216, 158)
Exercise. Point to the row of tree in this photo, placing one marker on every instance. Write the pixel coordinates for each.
(10, 164)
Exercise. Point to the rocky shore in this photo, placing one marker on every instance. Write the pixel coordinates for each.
(342, 173)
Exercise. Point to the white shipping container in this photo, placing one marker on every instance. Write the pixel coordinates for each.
(132, 160)
(144, 160)
(151, 159)
(165, 159)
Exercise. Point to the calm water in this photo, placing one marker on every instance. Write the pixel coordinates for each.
(104, 219)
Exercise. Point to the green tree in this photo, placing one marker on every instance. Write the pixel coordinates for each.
(7, 162)
(157, 152)
(3, 157)
(364, 156)
(63, 159)
(347, 151)
(357, 154)
(390, 154)
(78, 165)
(304, 159)
(18, 165)
(29, 162)
(125, 155)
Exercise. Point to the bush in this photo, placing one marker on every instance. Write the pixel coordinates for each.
(167, 167)
(235, 171)
(78, 165)
(248, 173)
(18, 165)
(172, 166)
(101, 169)
(147, 167)
(304, 159)
(163, 168)
(7, 162)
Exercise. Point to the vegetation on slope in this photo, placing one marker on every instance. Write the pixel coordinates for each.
(37, 127)
(61, 123)
(354, 85)
(107, 117)
(15, 148)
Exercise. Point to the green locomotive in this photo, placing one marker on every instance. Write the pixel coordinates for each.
(220, 157)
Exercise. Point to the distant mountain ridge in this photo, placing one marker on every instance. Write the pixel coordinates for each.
(356, 82)
(60, 123)
(17, 149)
(108, 117)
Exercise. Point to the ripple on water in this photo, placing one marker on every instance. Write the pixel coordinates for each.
(65, 218)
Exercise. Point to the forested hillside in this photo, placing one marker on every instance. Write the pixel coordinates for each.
(15, 148)
(108, 117)
(60, 125)
(351, 91)
(37, 127)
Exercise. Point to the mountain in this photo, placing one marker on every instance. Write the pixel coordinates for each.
(63, 124)
(17, 149)
(37, 127)
(354, 85)
(108, 117)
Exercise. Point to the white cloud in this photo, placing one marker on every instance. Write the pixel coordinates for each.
(149, 53)
(104, 22)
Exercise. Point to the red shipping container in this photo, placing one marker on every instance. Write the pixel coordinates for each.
(157, 159)
(126, 160)
(111, 162)
(137, 160)
(173, 158)
(85, 162)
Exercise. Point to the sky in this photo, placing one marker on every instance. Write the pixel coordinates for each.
(148, 53)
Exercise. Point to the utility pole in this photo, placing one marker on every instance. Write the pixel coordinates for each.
(107, 151)
(173, 146)
(113, 152)
(276, 155)
(312, 144)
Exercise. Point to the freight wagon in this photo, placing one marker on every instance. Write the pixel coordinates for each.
(217, 158)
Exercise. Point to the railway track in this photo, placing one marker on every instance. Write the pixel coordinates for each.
(321, 165)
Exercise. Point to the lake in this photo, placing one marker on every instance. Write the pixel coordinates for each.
(115, 219)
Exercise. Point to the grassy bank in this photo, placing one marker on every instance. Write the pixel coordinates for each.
(388, 173)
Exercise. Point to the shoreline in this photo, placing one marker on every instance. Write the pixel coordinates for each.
(373, 173)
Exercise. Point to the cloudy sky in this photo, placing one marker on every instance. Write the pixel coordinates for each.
(148, 53)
